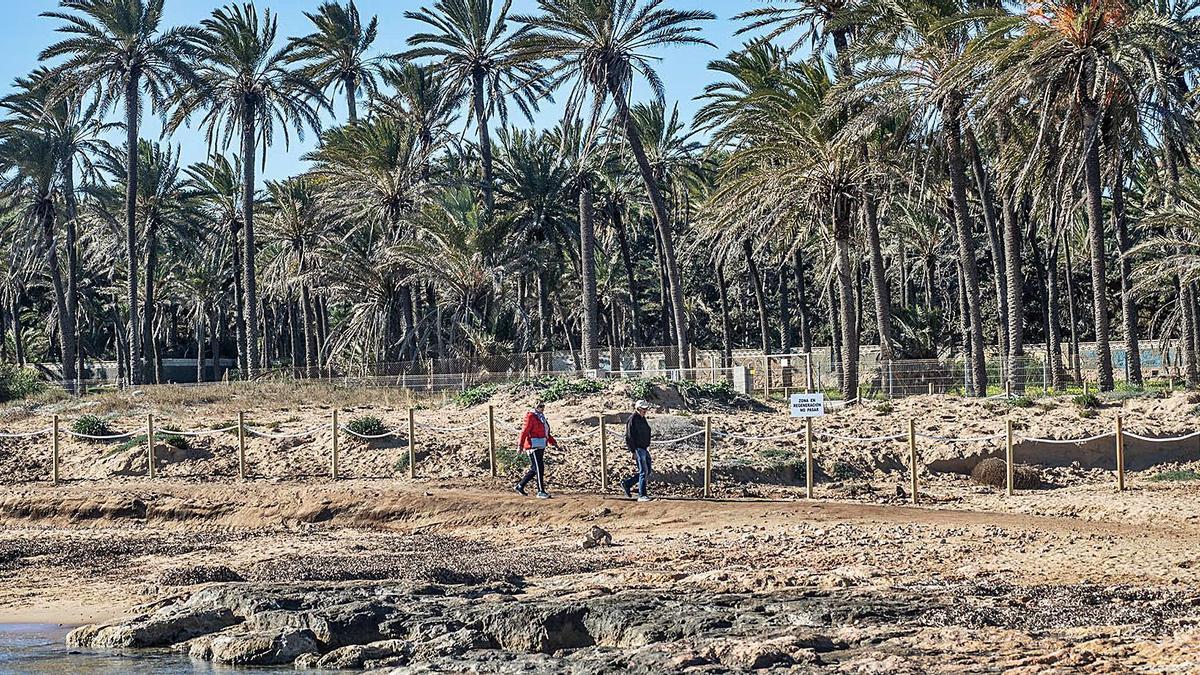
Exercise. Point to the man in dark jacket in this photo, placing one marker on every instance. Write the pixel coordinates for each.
(637, 439)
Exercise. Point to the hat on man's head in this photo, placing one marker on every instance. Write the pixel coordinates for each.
(643, 404)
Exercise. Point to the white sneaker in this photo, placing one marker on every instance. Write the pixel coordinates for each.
(543, 495)
(645, 499)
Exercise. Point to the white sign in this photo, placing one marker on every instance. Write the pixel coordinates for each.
(808, 405)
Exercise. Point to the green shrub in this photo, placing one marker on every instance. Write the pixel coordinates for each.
(642, 388)
(401, 465)
(90, 425)
(18, 383)
(844, 471)
(1176, 476)
(550, 388)
(480, 393)
(1088, 400)
(721, 391)
(366, 425)
(1020, 402)
(885, 408)
(509, 456)
(165, 437)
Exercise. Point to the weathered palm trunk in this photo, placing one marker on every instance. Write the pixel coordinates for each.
(216, 327)
(879, 284)
(249, 282)
(587, 277)
(760, 300)
(19, 330)
(1095, 216)
(635, 305)
(1016, 308)
(1133, 357)
(149, 310)
(485, 139)
(661, 220)
(802, 301)
(1073, 348)
(726, 318)
(132, 117)
(351, 101)
(930, 268)
(72, 246)
(785, 310)
(1053, 320)
(66, 328)
(201, 333)
(835, 333)
(987, 198)
(951, 112)
(849, 322)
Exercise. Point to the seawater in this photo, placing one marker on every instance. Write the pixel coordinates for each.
(28, 649)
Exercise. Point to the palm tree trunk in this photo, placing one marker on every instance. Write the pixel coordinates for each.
(351, 103)
(835, 335)
(726, 319)
(1073, 350)
(485, 140)
(1053, 319)
(785, 311)
(635, 304)
(1095, 215)
(216, 327)
(200, 335)
(662, 222)
(1133, 357)
(587, 277)
(1015, 284)
(987, 198)
(849, 323)
(149, 308)
(249, 283)
(132, 117)
(72, 246)
(66, 329)
(879, 284)
(951, 112)
(760, 300)
(802, 301)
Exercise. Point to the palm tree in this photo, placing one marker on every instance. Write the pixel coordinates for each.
(117, 48)
(335, 55)
(297, 222)
(247, 90)
(30, 187)
(471, 44)
(602, 45)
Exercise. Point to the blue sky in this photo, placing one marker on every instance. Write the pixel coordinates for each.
(24, 33)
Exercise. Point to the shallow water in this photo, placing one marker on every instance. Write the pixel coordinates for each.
(26, 649)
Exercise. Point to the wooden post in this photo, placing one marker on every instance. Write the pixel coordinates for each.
(603, 454)
(931, 389)
(912, 456)
(1085, 387)
(708, 456)
(54, 454)
(241, 429)
(858, 393)
(333, 457)
(1120, 457)
(1008, 455)
(492, 439)
(808, 457)
(808, 373)
(766, 378)
(1007, 388)
(412, 444)
(150, 445)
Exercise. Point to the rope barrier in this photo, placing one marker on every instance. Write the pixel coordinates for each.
(968, 439)
(856, 439)
(28, 434)
(205, 432)
(737, 437)
(297, 434)
(1168, 439)
(367, 437)
(90, 437)
(579, 436)
(1068, 441)
(452, 429)
(677, 440)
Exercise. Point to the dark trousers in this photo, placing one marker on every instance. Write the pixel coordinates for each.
(537, 469)
(642, 457)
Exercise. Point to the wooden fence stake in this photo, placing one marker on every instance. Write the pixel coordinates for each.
(1120, 457)
(603, 455)
(708, 456)
(1008, 455)
(912, 456)
(241, 429)
(808, 457)
(412, 444)
(54, 455)
(150, 445)
(808, 373)
(492, 439)
(333, 456)
(931, 389)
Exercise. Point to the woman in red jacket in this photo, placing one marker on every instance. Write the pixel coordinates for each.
(535, 438)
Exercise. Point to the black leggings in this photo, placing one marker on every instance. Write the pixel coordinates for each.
(537, 469)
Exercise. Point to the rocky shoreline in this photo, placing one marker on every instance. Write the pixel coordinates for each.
(505, 627)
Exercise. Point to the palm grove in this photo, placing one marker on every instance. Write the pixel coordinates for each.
(936, 177)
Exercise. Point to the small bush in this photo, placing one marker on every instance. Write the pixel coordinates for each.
(885, 408)
(18, 383)
(721, 391)
(844, 471)
(509, 456)
(90, 425)
(1020, 402)
(1088, 400)
(643, 388)
(402, 464)
(367, 425)
(551, 388)
(480, 393)
(1176, 476)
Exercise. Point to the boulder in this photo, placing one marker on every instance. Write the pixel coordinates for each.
(992, 471)
(254, 647)
(395, 652)
(164, 627)
(523, 627)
